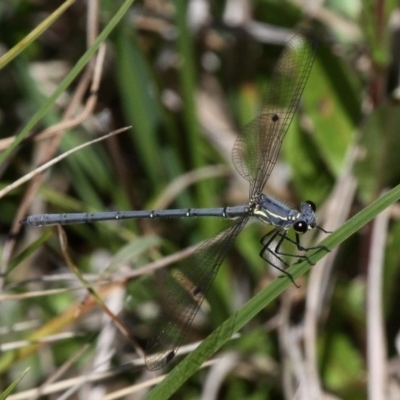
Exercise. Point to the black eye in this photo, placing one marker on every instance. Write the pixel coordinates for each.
(312, 205)
(300, 227)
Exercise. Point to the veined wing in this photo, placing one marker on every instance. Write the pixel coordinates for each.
(187, 286)
(256, 149)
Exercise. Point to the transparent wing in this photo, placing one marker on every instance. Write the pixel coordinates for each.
(256, 149)
(187, 286)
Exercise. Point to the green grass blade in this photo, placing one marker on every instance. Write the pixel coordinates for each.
(188, 80)
(140, 107)
(10, 388)
(68, 79)
(32, 36)
(37, 244)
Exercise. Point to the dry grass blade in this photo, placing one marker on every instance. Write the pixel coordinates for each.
(56, 160)
(92, 293)
(376, 342)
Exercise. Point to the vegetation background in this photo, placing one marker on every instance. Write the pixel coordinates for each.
(186, 75)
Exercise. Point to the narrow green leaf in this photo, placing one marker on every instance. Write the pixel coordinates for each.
(67, 80)
(32, 36)
(10, 388)
(30, 249)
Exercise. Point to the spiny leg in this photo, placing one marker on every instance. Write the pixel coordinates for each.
(265, 248)
(277, 251)
(296, 242)
(302, 248)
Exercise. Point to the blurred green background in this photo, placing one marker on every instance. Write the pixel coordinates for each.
(186, 76)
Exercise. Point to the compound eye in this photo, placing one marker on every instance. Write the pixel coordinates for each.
(300, 227)
(312, 205)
